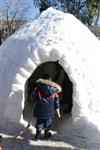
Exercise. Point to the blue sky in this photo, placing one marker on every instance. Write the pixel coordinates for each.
(32, 12)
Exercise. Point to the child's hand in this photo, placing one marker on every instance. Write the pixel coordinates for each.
(58, 113)
(59, 116)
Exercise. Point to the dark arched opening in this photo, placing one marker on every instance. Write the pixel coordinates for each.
(58, 75)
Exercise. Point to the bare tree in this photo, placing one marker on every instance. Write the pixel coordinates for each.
(13, 14)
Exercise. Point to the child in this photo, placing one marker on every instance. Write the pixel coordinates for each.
(47, 101)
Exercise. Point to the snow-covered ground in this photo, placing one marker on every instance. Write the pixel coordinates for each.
(82, 135)
(54, 35)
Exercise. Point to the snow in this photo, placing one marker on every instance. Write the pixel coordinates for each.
(55, 35)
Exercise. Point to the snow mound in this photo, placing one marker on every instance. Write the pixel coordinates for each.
(53, 35)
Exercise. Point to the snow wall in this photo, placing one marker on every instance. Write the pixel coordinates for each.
(53, 35)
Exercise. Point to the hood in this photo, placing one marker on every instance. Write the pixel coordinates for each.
(49, 87)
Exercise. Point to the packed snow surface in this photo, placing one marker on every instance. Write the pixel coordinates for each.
(55, 35)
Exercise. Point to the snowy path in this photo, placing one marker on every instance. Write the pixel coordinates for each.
(27, 144)
(56, 143)
(81, 136)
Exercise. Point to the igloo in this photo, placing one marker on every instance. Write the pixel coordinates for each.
(36, 47)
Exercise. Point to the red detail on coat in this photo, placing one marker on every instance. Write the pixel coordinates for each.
(42, 95)
(53, 96)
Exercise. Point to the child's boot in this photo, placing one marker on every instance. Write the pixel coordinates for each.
(47, 134)
(38, 135)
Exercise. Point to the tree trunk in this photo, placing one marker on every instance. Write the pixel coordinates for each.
(98, 14)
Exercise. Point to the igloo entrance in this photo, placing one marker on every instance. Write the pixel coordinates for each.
(58, 75)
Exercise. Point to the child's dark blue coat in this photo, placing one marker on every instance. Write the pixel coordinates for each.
(47, 99)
